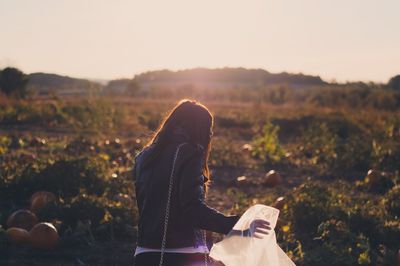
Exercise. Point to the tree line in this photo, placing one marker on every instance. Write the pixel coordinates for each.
(13, 83)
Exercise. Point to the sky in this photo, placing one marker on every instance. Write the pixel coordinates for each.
(342, 40)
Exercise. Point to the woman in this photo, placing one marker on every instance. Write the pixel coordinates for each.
(171, 181)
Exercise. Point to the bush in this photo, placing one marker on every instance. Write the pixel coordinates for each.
(226, 155)
(390, 234)
(319, 146)
(340, 146)
(353, 154)
(392, 201)
(93, 114)
(231, 122)
(13, 82)
(84, 208)
(331, 220)
(385, 154)
(266, 145)
(346, 248)
(4, 144)
(65, 178)
(149, 119)
(394, 83)
(378, 182)
(309, 207)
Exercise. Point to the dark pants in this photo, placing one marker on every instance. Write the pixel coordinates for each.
(171, 259)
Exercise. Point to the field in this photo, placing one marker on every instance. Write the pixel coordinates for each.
(82, 150)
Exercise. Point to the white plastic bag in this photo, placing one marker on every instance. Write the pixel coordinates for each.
(236, 250)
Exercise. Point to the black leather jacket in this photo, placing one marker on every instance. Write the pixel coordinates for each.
(188, 211)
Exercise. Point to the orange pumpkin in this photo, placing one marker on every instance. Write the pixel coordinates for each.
(242, 181)
(17, 235)
(247, 147)
(272, 179)
(40, 199)
(22, 219)
(279, 203)
(43, 236)
(372, 176)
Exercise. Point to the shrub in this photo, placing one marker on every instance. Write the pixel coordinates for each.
(390, 234)
(308, 208)
(385, 154)
(4, 143)
(392, 201)
(332, 220)
(149, 119)
(335, 240)
(394, 83)
(378, 182)
(84, 208)
(353, 154)
(226, 155)
(13, 82)
(65, 178)
(267, 146)
(319, 145)
(94, 114)
(231, 122)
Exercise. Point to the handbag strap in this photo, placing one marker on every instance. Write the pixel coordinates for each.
(171, 183)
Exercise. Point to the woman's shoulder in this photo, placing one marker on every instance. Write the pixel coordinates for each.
(143, 152)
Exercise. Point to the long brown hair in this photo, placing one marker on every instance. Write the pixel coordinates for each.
(195, 119)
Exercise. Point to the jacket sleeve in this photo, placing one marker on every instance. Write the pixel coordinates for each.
(191, 199)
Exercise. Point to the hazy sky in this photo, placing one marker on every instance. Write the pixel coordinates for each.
(336, 39)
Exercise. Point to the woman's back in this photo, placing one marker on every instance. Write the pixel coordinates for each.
(151, 184)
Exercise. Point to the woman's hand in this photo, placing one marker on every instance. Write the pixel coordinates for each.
(258, 228)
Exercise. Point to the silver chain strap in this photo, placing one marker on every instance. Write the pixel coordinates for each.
(171, 183)
(205, 244)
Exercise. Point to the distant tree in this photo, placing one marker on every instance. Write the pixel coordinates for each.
(13, 82)
(394, 83)
(132, 87)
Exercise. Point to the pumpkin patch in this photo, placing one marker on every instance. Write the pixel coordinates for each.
(43, 236)
(41, 199)
(272, 179)
(24, 219)
(17, 235)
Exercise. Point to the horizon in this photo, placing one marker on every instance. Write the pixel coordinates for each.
(189, 69)
(341, 41)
